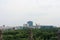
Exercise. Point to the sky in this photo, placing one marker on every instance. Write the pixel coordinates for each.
(18, 12)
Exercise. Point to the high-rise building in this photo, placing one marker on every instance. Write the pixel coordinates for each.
(30, 23)
(25, 25)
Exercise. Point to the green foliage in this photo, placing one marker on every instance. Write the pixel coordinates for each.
(38, 34)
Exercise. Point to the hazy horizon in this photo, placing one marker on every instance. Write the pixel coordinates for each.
(18, 12)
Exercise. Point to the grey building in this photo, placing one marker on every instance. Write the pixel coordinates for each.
(46, 26)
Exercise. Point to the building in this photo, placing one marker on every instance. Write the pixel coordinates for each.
(30, 23)
(46, 26)
(25, 25)
(3, 25)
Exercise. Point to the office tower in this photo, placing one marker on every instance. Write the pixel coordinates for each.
(30, 23)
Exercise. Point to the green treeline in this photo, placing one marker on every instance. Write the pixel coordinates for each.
(38, 34)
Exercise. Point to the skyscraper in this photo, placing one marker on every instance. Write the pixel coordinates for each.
(30, 23)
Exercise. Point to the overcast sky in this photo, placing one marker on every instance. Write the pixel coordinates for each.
(18, 12)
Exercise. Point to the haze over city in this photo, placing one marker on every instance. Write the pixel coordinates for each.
(18, 12)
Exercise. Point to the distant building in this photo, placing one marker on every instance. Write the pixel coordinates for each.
(30, 23)
(37, 26)
(3, 25)
(19, 27)
(46, 26)
(25, 25)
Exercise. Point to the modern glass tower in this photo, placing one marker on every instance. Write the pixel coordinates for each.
(30, 23)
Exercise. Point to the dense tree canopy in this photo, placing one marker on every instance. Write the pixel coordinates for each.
(38, 34)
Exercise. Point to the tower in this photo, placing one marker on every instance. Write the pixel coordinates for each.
(30, 23)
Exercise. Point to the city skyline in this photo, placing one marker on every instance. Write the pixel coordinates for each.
(18, 12)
